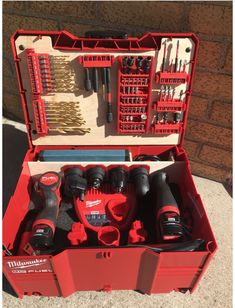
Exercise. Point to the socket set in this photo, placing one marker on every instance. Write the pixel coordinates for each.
(134, 94)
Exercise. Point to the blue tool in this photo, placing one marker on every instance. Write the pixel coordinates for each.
(84, 155)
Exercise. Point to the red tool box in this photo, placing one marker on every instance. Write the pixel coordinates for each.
(106, 199)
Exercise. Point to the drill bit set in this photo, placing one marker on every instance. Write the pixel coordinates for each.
(65, 117)
(50, 75)
(58, 118)
(62, 75)
(134, 91)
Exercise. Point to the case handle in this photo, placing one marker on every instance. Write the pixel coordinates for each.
(106, 34)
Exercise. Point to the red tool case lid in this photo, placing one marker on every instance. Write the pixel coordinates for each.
(149, 103)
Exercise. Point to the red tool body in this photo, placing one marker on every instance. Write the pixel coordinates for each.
(43, 228)
(167, 209)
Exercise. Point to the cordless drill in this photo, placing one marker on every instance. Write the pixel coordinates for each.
(43, 228)
(167, 210)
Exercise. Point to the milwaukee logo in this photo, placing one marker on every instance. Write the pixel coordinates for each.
(92, 203)
(25, 264)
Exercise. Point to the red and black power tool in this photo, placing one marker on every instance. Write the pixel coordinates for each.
(43, 229)
(167, 210)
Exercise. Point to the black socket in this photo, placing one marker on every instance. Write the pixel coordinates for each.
(140, 178)
(74, 184)
(118, 179)
(147, 64)
(130, 61)
(177, 117)
(125, 61)
(95, 177)
(42, 237)
(139, 61)
(158, 116)
(165, 116)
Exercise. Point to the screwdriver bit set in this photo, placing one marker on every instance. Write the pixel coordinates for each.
(174, 72)
(106, 191)
(172, 78)
(134, 93)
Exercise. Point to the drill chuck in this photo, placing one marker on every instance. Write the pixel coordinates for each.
(75, 185)
(95, 177)
(140, 178)
(118, 179)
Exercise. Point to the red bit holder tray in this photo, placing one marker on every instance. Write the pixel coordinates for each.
(172, 78)
(169, 106)
(40, 117)
(166, 129)
(39, 71)
(96, 60)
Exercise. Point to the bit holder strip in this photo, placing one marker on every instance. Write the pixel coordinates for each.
(39, 72)
(172, 78)
(96, 60)
(164, 129)
(40, 117)
(174, 105)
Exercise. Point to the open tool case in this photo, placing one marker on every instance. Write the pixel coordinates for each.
(118, 104)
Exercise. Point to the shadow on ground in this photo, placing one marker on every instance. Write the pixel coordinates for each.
(229, 188)
(15, 145)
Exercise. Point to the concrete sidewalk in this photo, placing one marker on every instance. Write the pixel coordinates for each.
(215, 288)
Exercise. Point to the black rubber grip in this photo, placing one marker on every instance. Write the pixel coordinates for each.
(161, 192)
(51, 207)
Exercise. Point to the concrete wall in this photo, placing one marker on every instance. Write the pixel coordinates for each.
(209, 129)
